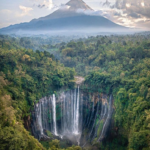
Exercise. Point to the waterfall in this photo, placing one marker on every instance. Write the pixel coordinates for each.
(74, 114)
(89, 122)
(107, 121)
(76, 129)
(101, 116)
(64, 115)
(54, 114)
(94, 120)
(80, 118)
(40, 120)
(50, 114)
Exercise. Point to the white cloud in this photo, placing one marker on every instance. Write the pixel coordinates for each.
(91, 12)
(25, 10)
(125, 12)
(48, 3)
(126, 22)
(5, 11)
(128, 5)
(130, 13)
(143, 4)
(43, 3)
(64, 7)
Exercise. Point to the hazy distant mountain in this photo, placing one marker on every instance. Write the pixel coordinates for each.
(70, 17)
(68, 10)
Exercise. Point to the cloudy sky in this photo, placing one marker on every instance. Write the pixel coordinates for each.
(130, 13)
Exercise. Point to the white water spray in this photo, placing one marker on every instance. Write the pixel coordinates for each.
(72, 106)
(54, 114)
(107, 119)
(76, 130)
(40, 120)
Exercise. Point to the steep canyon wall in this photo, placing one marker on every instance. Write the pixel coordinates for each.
(81, 117)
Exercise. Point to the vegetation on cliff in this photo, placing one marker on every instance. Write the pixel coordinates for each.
(25, 76)
(118, 65)
(111, 64)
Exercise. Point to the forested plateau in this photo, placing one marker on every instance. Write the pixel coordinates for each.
(117, 65)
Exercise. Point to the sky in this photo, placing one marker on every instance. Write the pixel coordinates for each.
(129, 13)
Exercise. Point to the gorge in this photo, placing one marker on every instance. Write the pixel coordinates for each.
(82, 118)
(46, 105)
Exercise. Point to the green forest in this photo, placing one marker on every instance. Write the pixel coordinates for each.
(118, 65)
(26, 76)
(110, 64)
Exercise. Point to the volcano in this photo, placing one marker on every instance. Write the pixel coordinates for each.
(74, 16)
(68, 10)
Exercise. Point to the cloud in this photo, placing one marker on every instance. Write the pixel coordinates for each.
(134, 15)
(141, 7)
(19, 15)
(25, 10)
(48, 3)
(90, 12)
(63, 7)
(5, 11)
(130, 13)
(41, 6)
(5, 17)
(107, 3)
(43, 3)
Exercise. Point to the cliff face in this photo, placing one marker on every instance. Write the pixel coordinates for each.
(78, 116)
(27, 122)
(79, 80)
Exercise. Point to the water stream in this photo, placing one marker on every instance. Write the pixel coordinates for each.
(70, 114)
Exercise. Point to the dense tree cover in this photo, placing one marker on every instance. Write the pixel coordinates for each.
(13, 135)
(113, 64)
(102, 52)
(118, 65)
(25, 77)
(42, 42)
(59, 145)
(55, 145)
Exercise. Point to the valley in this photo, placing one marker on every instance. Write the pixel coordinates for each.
(94, 110)
(75, 75)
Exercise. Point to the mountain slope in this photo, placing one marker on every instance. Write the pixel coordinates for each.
(69, 10)
(67, 18)
(76, 4)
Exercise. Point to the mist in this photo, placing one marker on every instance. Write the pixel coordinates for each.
(82, 32)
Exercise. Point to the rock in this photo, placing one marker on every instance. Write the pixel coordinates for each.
(79, 80)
